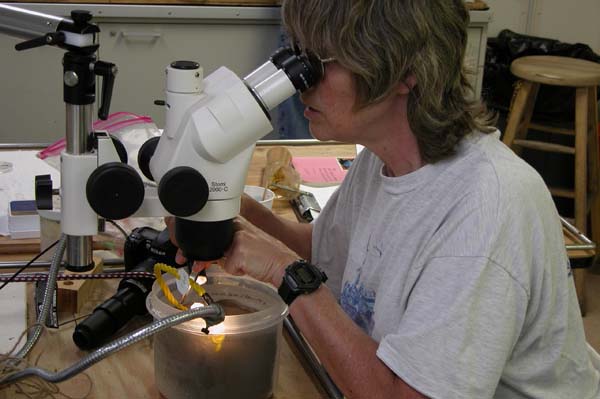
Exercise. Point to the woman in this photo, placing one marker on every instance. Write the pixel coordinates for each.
(445, 256)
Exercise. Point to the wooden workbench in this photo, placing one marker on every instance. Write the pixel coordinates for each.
(15, 249)
(130, 373)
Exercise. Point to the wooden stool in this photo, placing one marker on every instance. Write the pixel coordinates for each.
(584, 78)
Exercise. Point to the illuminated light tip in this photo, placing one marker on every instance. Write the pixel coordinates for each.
(201, 280)
(197, 305)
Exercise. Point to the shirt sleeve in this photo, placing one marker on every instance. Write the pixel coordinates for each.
(462, 320)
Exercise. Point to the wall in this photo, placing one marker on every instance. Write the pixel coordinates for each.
(568, 21)
(141, 41)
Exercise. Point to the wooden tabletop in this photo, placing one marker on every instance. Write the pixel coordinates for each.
(16, 249)
(129, 373)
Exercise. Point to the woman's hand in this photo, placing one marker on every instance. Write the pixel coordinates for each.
(257, 254)
(252, 252)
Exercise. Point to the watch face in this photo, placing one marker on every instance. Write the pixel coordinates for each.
(306, 277)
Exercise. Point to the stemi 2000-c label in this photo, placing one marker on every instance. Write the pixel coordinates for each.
(218, 187)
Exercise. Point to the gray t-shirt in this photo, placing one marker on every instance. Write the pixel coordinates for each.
(459, 271)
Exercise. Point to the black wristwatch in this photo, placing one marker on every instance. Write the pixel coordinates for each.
(300, 278)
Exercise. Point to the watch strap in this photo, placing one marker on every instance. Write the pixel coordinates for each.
(286, 293)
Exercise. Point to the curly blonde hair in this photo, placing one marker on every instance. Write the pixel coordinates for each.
(382, 42)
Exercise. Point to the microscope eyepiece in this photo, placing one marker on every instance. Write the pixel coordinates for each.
(284, 74)
(303, 71)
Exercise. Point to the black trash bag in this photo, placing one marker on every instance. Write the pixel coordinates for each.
(553, 103)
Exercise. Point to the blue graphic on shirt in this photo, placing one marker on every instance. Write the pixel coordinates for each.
(358, 302)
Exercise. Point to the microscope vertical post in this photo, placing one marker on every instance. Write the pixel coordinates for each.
(78, 126)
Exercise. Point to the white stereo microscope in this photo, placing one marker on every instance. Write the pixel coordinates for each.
(199, 163)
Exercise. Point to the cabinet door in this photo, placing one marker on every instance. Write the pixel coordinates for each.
(141, 51)
(32, 108)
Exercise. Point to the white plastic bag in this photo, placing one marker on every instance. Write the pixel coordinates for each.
(130, 129)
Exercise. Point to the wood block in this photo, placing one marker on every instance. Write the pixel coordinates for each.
(73, 294)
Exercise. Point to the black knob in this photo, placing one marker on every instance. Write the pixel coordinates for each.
(145, 154)
(43, 191)
(183, 191)
(81, 16)
(115, 190)
(185, 65)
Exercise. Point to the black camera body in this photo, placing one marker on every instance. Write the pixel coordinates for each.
(143, 248)
(146, 242)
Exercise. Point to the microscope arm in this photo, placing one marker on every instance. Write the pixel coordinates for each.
(43, 29)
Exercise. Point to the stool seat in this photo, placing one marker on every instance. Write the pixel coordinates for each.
(557, 71)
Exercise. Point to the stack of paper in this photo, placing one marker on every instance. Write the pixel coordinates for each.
(23, 219)
(319, 171)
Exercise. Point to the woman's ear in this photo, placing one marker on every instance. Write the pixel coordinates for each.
(407, 84)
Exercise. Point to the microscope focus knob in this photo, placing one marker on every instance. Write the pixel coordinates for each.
(43, 192)
(115, 190)
(183, 191)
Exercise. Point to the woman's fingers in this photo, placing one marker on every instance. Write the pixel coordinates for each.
(179, 258)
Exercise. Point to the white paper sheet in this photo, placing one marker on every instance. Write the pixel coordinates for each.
(13, 313)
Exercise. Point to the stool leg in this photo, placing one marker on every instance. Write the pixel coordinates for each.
(521, 110)
(581, 132)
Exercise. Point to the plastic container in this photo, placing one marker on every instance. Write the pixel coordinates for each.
(238, 359)
(258, 193)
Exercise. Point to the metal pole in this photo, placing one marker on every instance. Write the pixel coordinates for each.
(78, 128)
(106, 262)
(27, 24)
(326, 382)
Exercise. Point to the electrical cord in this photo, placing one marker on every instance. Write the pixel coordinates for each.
(28, 264)
(48, 297)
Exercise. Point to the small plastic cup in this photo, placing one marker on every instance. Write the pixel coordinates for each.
(258, 193)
